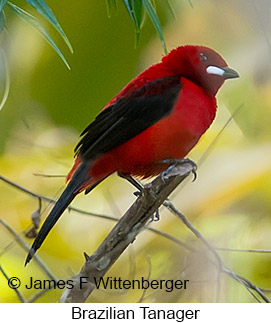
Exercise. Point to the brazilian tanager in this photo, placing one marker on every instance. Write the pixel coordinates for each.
(161, 114)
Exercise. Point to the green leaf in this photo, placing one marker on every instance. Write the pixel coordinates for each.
(2, 21)
(137, 11)
(171, 9)
(7, 80)
(109, 7)
(2, 3)
(134, 8)
(32, 21)
(129, 9)
(155, 20)
(42, 7)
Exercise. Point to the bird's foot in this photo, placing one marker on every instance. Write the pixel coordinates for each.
(134, 182)
(175, 162)
(155, 217)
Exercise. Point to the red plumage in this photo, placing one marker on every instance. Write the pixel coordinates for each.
(161, 114)
(171, 137)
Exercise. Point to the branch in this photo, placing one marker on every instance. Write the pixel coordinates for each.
(17, 292)
(222, 268)
(125, 232)
(88, 213)
(53, 201)
(26, 247)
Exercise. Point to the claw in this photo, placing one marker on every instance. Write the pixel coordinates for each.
(194, 172)
(174, 162)
(137, 193)
(155, 217)
(166, 172)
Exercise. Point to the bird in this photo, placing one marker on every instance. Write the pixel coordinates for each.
(158, 116)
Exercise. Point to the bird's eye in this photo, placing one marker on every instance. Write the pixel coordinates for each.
(203, 57)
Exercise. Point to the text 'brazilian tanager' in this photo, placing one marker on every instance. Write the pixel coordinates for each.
(161, 114)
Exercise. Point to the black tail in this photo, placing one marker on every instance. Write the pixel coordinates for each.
(63, 202)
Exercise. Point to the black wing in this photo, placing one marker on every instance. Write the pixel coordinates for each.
(129, 116)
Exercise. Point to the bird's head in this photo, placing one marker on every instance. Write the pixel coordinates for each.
(201, 65)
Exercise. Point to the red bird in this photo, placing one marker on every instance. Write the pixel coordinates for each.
(161, 114)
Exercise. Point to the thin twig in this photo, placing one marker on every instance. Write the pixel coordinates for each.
(53, 201)
(187, 223)
(243, 250)
(16, 291)
(172, 239)
(26, 247)
(49, 175)
(245, 282)
(102, 216)
(36, 296)
(214, 142)
(148, 278)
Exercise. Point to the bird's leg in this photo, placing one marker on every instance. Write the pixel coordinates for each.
(155, 217)
(174, 162)
(134, 182)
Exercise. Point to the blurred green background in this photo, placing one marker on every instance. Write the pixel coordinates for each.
(49, 105)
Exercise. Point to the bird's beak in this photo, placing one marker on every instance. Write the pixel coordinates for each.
(229, 73)
(225, 72)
